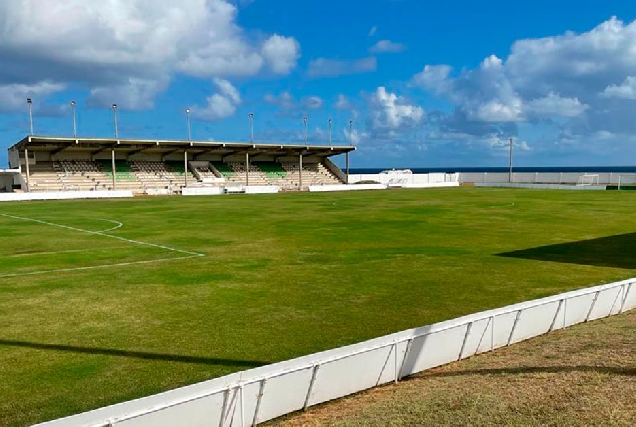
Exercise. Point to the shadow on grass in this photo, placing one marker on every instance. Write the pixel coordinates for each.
(614, 370)
(611, 251)
(134, 354)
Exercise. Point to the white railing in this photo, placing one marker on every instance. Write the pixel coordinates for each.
(247, 398)
(564, 178)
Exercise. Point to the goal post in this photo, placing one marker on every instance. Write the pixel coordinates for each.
(588, 179)
(627, 180)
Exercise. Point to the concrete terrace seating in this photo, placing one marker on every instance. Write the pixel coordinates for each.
(44, 177)
(204, 170)
(223, 169)
(256, 176)
(160, 175)
(140, 176)
(81, 175)
(123, 170)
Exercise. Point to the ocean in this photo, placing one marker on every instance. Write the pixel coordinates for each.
(618, 169)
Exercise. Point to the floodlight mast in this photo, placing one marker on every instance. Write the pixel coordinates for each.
(187, 111)
(251, 115)
(30, 104)
(330, 127)
(510, 161)
(305, 128)
(73, 105)
(347, 154)
(114, 107)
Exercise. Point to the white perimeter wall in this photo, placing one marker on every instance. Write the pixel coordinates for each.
(260, 394)
(403, 179)
(64, 195)
(571, 178)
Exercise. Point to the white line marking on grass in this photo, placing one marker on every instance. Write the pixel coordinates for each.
(188, 254)
(119, 225)
(94, 267)
(63, 252)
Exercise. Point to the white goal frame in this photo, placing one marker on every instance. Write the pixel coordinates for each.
(626, 179)
(588, 179)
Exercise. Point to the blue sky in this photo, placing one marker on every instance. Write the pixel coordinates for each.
(426, 83)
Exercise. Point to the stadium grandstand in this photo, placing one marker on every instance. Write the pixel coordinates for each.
(166, 167)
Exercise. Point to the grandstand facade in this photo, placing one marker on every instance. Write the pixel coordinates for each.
(167, 167)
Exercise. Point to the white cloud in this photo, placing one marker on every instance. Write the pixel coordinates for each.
(120, 43)
(372, 31)
(627, 90)
(290, 106)
(387, 46)
(281, 53)
(221, 104)
(324, 67)
(342, 103)
(554, 105)
(14, 96)
(133, 94)
(312, 102)
(355, 137)
(390, 112)
(434, 78)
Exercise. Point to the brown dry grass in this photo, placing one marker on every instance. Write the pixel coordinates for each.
(583, 376)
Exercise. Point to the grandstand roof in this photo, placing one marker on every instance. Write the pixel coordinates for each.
(56, 145)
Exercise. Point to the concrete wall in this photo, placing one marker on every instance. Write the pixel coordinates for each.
(257, 395)
(63, 195)
(404, 179)
(570, 178)
(6, 182)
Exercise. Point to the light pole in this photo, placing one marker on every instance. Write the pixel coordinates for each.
(510, 161)
(347, 154)
(330, 127)
(73, 105)
(252, 128)
(305, 128)
(187, 111)
(114, 107)
(29, 103)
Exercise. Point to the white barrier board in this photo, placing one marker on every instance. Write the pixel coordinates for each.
(342, 187)
(203, 191)
(260, 394)
(64, 195)
(432, 185)
(262, 189)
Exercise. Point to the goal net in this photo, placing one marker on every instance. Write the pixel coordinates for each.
(626, 180)
(588, 179)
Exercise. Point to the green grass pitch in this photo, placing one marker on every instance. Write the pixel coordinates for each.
(104, 301)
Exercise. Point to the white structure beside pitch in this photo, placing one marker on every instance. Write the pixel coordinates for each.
(257, 395)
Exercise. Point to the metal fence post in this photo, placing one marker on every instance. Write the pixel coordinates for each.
(311, 386)
(589, 313)
(514, 326)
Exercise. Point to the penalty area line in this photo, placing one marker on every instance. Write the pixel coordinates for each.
(187, 254)
(103, 233)
(94, 267)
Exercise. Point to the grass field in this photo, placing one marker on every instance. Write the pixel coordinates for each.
(179, 290)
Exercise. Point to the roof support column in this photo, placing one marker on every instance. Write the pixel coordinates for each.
(28, 174)
(347, 167)
(112, 166)
(247, 168)
(185, 167)
(300, 172)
